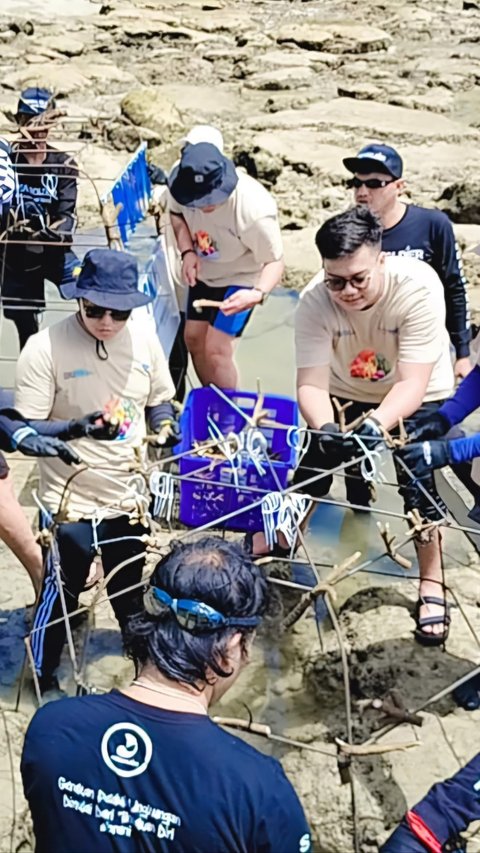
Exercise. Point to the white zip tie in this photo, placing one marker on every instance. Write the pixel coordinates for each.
(162, 486)
(368, 465)
(284, 513)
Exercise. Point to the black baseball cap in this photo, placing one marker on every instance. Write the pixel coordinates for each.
(376, 158)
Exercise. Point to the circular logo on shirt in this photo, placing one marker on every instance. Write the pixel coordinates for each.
(126, 749)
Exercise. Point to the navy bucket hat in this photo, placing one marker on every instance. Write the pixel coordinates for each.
(376, 158)
(109, 279)
(204, 176)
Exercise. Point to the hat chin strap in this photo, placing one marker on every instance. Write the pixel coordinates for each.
(100, 347)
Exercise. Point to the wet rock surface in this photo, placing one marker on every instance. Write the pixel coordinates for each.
(295, 87)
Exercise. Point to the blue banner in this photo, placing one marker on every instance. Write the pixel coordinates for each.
(132, 190)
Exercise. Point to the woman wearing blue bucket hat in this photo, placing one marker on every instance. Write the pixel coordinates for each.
(228, 236)
(95, 360)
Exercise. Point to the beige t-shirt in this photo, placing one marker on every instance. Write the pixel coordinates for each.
(60, 376)
(238, 238)
(363, 348)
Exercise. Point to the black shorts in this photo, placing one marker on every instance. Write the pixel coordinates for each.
(233, 325)
(413, 497)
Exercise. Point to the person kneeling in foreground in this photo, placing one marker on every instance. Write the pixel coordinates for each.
(434, 824)
(145, 768)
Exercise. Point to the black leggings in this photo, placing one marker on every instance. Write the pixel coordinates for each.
(76, 552)
(357, 489)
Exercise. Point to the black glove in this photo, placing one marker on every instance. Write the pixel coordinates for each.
(88, 427)
(331, 444)
(43, 445)
(424, 457)
(433, 425)
(370, 433)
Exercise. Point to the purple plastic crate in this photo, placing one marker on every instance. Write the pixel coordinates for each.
(211, 494)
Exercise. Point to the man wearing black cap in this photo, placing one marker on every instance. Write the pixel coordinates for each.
(415, 232)
(95, 361)
(146, 768)
(229, 239)
(42, 217)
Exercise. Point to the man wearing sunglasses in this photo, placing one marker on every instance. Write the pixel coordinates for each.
(415, 232)
(95, 360)
(371, 329)
(146, 768)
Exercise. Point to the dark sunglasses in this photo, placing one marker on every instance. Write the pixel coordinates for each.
(371, 183)
(96, 312)
(194, 616)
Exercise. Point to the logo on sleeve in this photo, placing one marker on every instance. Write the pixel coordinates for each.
(126, 749)
(305, 843)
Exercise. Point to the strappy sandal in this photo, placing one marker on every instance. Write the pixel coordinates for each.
(421, 622)
(276, 551)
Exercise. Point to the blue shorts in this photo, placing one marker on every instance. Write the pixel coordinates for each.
(232, 325)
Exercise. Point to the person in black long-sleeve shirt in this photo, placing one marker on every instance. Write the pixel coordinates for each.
(416, 232)
(434, 824)
(42, 217)
(37, 438)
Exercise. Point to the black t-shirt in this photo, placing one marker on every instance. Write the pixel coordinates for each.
(108, 774)
(45, 203)
(428, 236)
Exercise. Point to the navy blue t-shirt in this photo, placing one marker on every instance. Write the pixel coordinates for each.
(428, 236)
(109, 774)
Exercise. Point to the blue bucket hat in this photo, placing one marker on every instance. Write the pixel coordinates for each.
(203, 176)
(34, 101)
(376, 158)
(109, 279)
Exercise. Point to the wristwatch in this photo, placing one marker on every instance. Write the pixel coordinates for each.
(264, 295)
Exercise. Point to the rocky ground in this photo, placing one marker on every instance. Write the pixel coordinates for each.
(294, 86)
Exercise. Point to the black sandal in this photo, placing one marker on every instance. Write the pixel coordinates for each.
(430, 639)
(276, 551)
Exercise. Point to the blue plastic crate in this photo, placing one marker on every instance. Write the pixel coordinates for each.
(211, 494)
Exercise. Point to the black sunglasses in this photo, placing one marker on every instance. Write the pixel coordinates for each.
(96, 312)
(371, 183)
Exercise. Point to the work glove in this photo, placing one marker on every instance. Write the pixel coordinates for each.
(43, 445)
(370, 433)
(92, 426)
(331, 444)
(168, 429)
(427, 426)
(424, 457)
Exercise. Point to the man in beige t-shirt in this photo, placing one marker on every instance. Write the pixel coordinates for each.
(371, 329)
(95, 360)
(229, 239)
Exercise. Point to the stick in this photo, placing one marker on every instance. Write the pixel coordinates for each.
(200, 304)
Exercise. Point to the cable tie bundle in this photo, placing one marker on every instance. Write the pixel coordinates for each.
(284, 513)
(162, 486)
(256, 446)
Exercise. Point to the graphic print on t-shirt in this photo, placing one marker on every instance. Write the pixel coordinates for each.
(126, 749)
(205, 246)
(369, 364)
(124, 412)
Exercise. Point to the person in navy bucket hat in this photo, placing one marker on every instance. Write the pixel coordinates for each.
(98, 360)
(203, 177)
(229, 243)
(109, 279)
